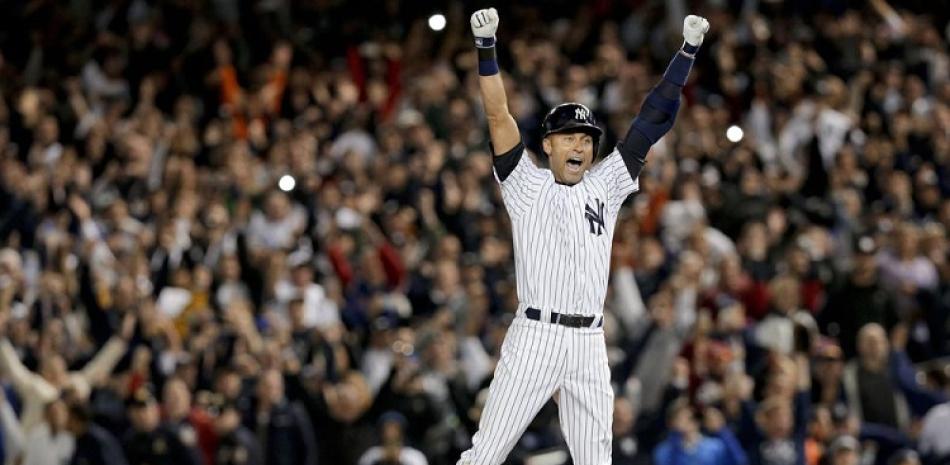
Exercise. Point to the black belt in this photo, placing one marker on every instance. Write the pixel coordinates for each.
(571, 321)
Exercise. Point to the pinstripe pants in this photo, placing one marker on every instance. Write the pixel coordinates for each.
(538, 359)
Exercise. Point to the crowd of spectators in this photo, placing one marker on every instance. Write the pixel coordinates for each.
(267, 232)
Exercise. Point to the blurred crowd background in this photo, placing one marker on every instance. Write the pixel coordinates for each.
(267, 231)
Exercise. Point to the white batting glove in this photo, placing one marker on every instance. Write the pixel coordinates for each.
(485, 23)
(694, 28)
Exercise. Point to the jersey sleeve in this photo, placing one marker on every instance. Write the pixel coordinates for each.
(520, 179)
(614, 173)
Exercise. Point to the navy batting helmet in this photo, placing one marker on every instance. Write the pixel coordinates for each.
(572, 117)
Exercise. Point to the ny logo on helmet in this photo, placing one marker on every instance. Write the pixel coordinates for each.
(581, 113)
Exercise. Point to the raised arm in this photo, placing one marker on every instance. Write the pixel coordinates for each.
(659, 110)
(25, 381)
(501, 125)
(98, 369)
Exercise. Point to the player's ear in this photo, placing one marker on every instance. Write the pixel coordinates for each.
(546, 145)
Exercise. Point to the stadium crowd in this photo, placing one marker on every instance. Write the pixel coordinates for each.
(268, 232)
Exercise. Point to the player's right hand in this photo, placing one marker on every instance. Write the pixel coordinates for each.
(485, 23)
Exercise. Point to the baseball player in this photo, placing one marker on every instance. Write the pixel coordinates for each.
(562, 222)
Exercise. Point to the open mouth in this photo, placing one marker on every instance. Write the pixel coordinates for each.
(575, 162)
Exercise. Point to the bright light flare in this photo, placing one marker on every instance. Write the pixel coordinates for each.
(287, 183)
(734, 134)
(437, 22)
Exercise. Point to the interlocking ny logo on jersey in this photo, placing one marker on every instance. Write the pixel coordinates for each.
(595, 217)
(581, 113)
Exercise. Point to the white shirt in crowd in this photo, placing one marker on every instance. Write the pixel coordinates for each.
(319, 311)
(934, 439)
(37, 446)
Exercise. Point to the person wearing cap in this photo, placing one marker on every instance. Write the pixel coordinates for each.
(858, 299)
(844, 450)
(392, 449)
(150, 442)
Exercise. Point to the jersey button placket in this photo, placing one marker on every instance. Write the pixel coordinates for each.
(582, 242)
(564, 223)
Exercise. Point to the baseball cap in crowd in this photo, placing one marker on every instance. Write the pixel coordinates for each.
(392, 416)
(299, 258)
(843, 443)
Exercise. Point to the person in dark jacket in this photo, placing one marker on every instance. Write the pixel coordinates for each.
(282, 427)
(236, 444)
(94, 445)
(151, 443)
(858, 299)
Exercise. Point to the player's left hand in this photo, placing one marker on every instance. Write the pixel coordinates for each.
(694, 29)
(485, 23)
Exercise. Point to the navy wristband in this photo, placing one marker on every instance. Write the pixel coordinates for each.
(487, 68)
(690, 49)
(484, 42)
(487, 59)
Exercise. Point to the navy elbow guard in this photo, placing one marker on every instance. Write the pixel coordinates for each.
(658, 111)
(663, 102)
(655, 119)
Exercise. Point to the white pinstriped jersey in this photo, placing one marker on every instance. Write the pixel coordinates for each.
(562, 234)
